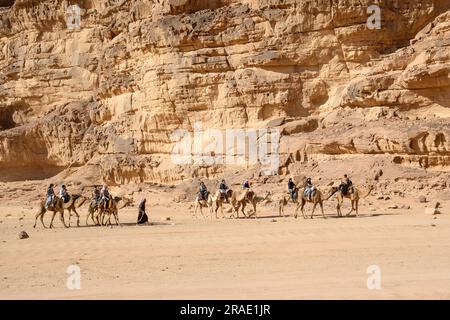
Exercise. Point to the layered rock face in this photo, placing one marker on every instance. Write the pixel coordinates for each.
(111, 93)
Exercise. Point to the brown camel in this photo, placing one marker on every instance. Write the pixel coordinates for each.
(114, 205)
(354, 197)
(219, 200)
(93, 213)
(284, 200)
(59, 206)
(317, 198)
(248, 196)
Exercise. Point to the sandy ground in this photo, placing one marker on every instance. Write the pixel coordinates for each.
(268, 258)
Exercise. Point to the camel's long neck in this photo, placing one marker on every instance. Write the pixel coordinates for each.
(367, 194)
(330, 194)
(83, 200)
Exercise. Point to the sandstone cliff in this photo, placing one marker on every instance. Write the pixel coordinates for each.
(105, 99)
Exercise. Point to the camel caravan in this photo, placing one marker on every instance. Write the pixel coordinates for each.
(104, 208)
(310, 194)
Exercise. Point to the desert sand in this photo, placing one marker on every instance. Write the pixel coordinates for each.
(125, 93)
(267, 258)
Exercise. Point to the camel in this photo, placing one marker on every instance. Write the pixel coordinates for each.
(199, 204)
(59, 207)
(354, 197)
(216, 199)
(93, 209)
(114, 205)
(317, 198)
(284, 200)
(248, 196)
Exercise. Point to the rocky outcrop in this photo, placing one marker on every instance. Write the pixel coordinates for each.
(112, 93)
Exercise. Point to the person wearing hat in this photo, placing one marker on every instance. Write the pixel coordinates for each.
(142, 217)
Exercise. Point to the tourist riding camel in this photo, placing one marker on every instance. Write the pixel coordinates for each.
(203, 202)
(223, 188)
(317, 198)
(94, 206)
(346, 186)
(309, 189)
(203, 191)
(96, 196)
(50, 197)
(63, 194)
(104, 196)
(355, 195)
(292, 188)
(59, 206)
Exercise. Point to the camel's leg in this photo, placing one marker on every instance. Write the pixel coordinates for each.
(102, 222)
(353, 208)
(296, 211)
(61, 217)
(108, 218)
(53, 217)
(280, 209)
(254, 209)
(237, 210)
(217, 209)
(313, 210)
(78, 217)
(221, 210)
(98, 217)
(116, 216)
(70, 214)
(201, 210)
(321, 208)
(338, 208)
(108, 221)
(303, 209)
(356, 208)
(243, 212)
(41, 216)
(194, 215)
(87, 218)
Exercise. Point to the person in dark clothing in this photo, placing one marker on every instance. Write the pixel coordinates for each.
(292, 188)
(96, 196)
(346, 186)
(202, 192)
(64, 194)
(142, 217)
(246, 185)
(223, 188)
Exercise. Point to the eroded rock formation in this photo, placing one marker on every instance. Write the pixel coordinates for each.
(110, 94)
